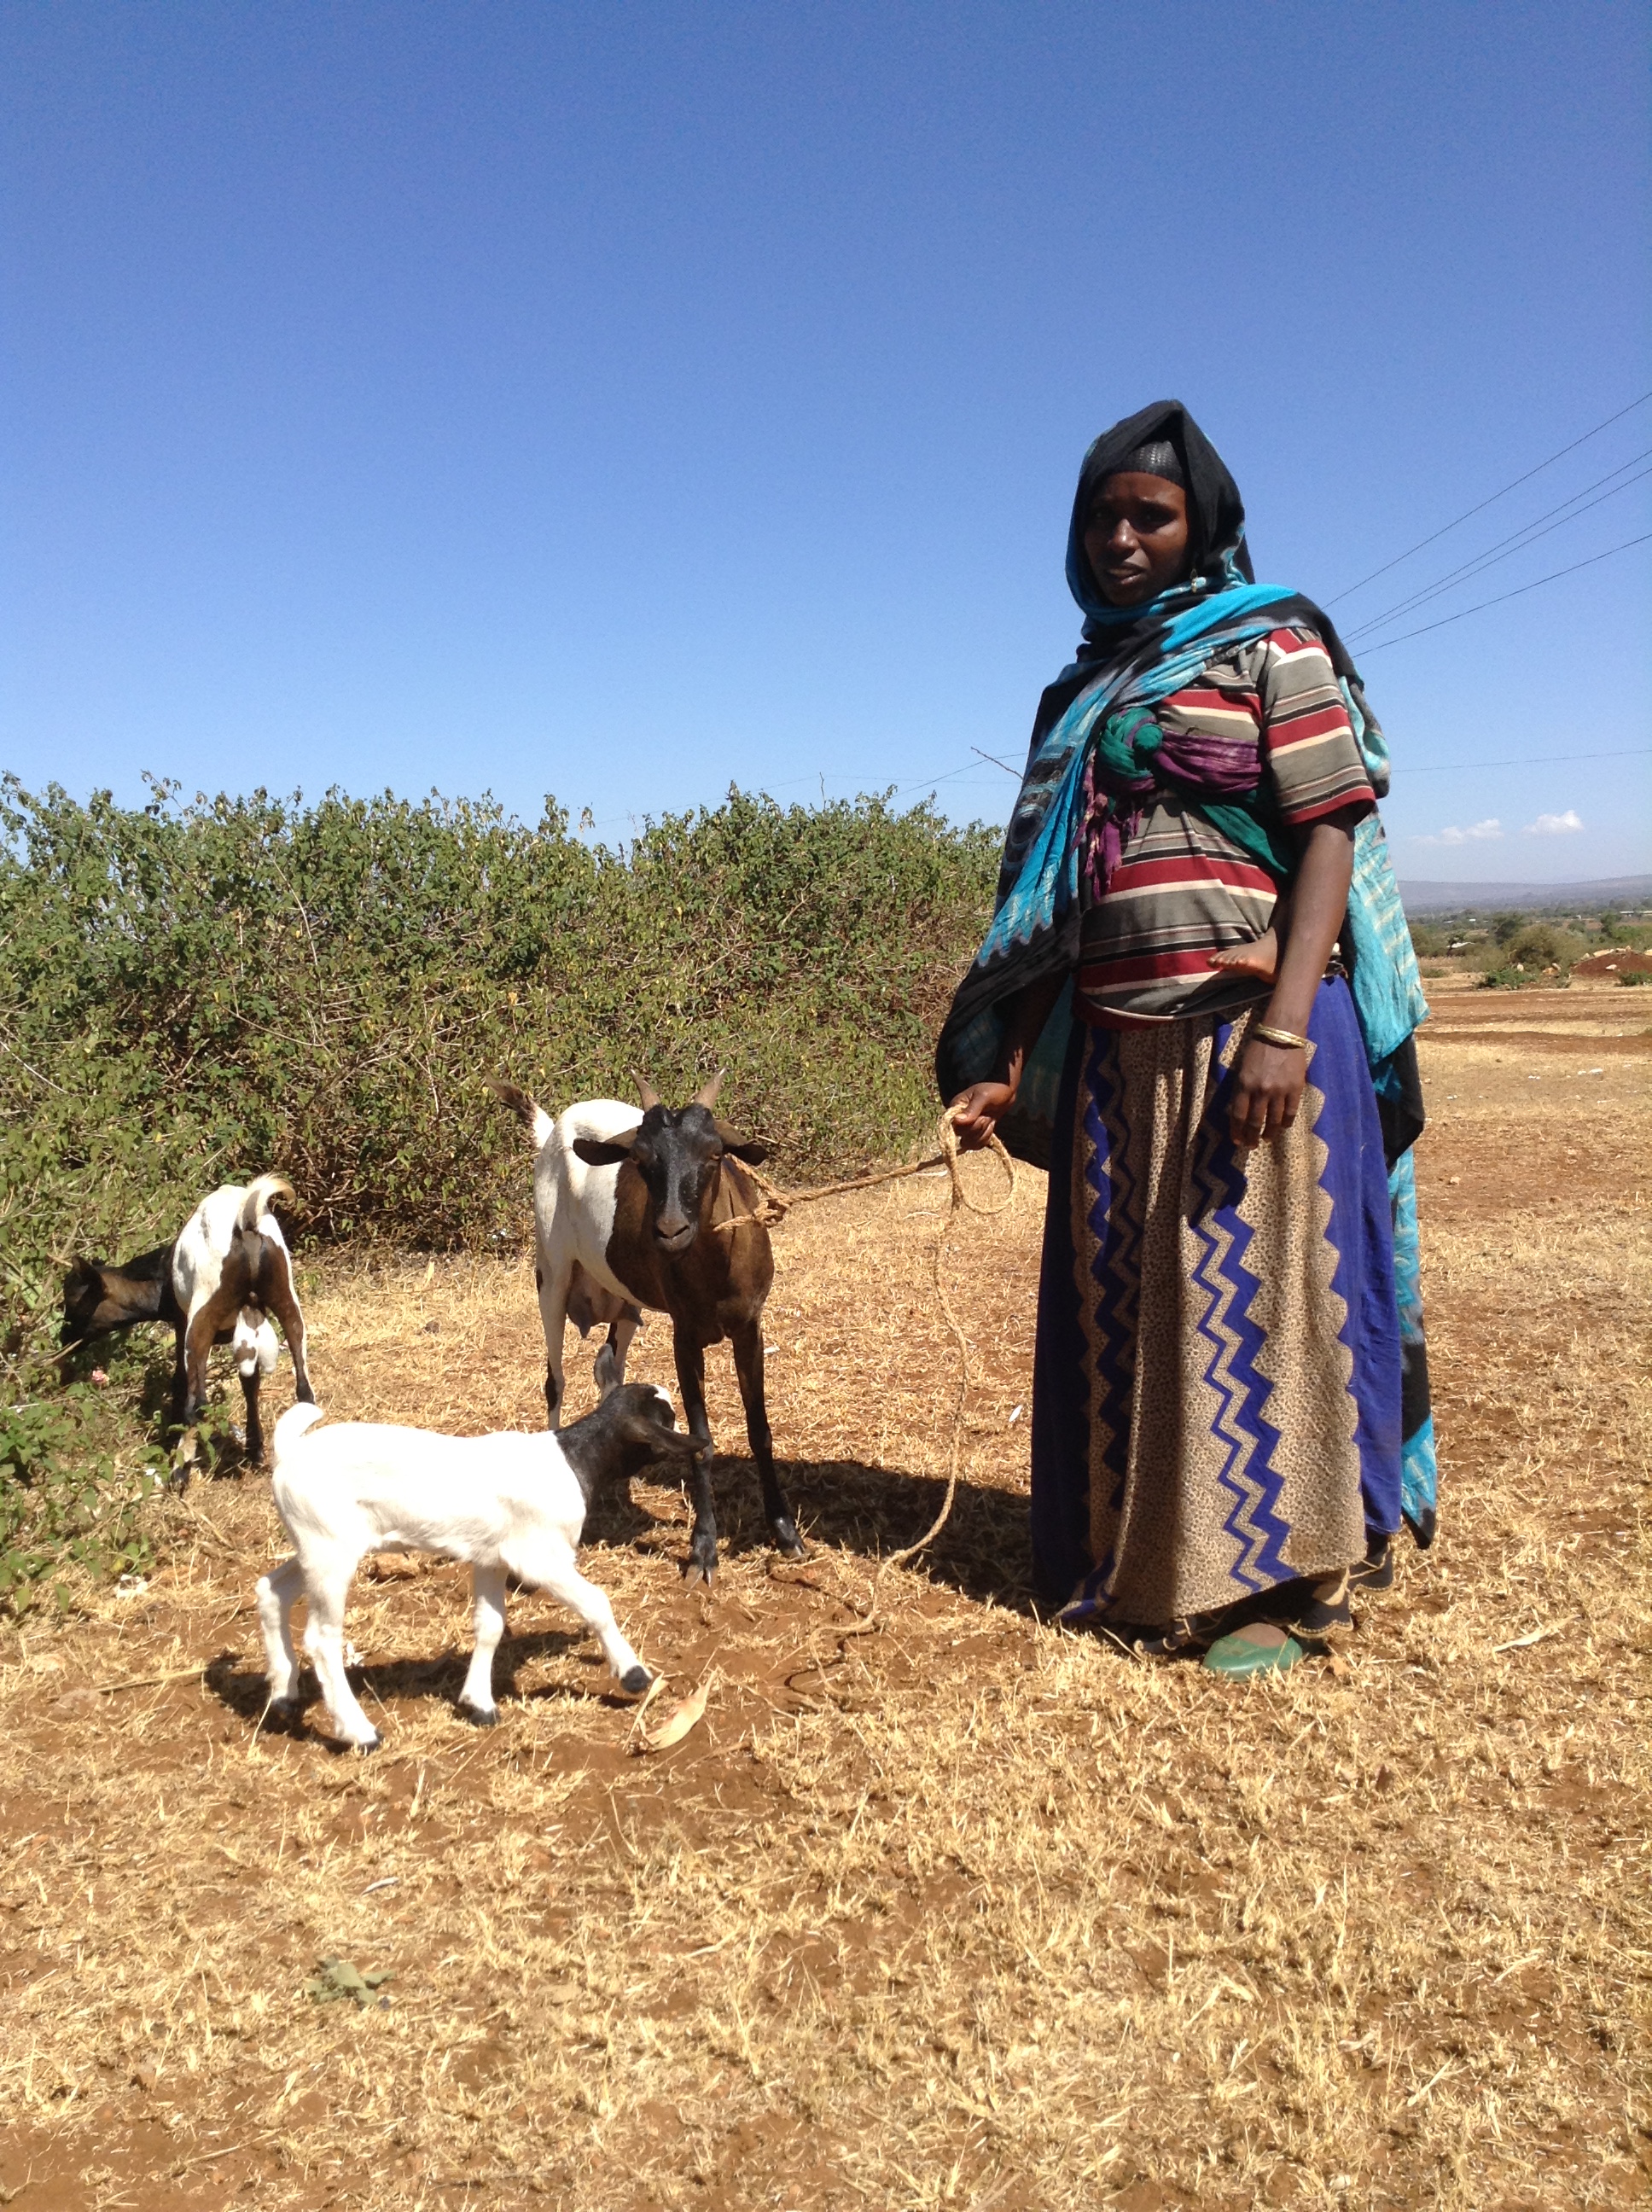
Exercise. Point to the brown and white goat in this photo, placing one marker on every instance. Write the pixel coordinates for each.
(219, 1280)
(655, 1209)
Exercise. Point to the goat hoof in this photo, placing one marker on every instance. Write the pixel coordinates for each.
(635, 1680)
(371, 1744)
(788, 1543)
(283, 1717)
(694, 1574)
(476, 1717)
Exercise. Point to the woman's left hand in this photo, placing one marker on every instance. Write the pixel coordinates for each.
(1267, 1090)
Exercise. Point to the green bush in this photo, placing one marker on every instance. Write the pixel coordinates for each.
(1614, 930)
(192, 993)
(66, 1499)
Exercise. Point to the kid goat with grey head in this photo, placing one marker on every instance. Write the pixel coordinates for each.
(655, 1208)
(509, 1504)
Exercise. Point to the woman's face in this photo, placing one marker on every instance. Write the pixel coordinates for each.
(1137, 537)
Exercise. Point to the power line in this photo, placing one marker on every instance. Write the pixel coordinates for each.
(1518, 592)
(1517, 542)
(1493, 500)
(1535, 760)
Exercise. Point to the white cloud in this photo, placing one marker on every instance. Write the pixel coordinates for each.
(1475, 834)
(1553, 825)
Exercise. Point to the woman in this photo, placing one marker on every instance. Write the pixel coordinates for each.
(1182, 1011)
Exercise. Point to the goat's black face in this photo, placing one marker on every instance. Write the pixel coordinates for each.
(83, 1296)
(648, 1427)
(679, 1154)
(632, 1429)
(97, 1297)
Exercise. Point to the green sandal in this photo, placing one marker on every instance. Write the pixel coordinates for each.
(1256, 1649)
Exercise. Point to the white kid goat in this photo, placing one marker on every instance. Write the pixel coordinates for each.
(509, 1504)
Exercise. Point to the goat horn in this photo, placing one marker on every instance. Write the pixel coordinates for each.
(647, 1093)
(707, 1094)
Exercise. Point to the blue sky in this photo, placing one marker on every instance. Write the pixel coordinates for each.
(622, 401)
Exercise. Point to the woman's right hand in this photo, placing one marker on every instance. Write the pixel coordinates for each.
(975, 1113)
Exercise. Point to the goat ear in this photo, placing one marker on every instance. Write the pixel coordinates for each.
(647, 1094)
(638, 1429)
(751, 1150)
(595, 1154)
(706, 1096)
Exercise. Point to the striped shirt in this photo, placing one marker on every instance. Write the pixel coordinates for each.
(1182, 890)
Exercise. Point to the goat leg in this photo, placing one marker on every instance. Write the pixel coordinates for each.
(180, 1373)
(283, 1302)
(553, 1315)
(748, 1366)
(609, 1368)
(326, 1591)
(691, 1381)
(189, 1391)
(254, 1446)
(276, 1591)
(549, 1566)
(476, 1699)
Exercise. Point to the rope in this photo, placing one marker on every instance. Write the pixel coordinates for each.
(959, 1201)
(777, 1203)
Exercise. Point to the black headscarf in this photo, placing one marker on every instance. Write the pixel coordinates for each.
(1216, 514)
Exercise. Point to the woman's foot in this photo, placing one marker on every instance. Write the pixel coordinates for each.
(1375, 1570)
(1295, 1618)
(1257, 1649)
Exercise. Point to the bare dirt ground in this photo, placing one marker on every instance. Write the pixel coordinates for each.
(970, 1912)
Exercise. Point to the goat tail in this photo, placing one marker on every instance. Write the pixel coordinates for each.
(261, 1195)
(525, 1108)
(292, 1423)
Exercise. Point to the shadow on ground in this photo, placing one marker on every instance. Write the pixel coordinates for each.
(239, 1686)
(984, 1552)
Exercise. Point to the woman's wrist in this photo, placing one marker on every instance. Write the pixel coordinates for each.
(1290, 1010)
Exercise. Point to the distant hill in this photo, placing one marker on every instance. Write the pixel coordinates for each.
(1521, 898)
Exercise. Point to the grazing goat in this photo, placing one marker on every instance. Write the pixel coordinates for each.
(508, 1504)
(218, 1283)
(654, 1209)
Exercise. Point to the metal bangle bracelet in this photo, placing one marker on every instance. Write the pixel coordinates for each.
(1288, 1037)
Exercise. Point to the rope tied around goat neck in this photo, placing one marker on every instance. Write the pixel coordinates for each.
(958, 1201)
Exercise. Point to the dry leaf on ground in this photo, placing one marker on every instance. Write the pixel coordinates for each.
(680, 1719)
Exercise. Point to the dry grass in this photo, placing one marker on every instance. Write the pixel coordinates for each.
(969, 1913)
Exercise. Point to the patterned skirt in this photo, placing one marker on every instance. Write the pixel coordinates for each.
(1217, 1392)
